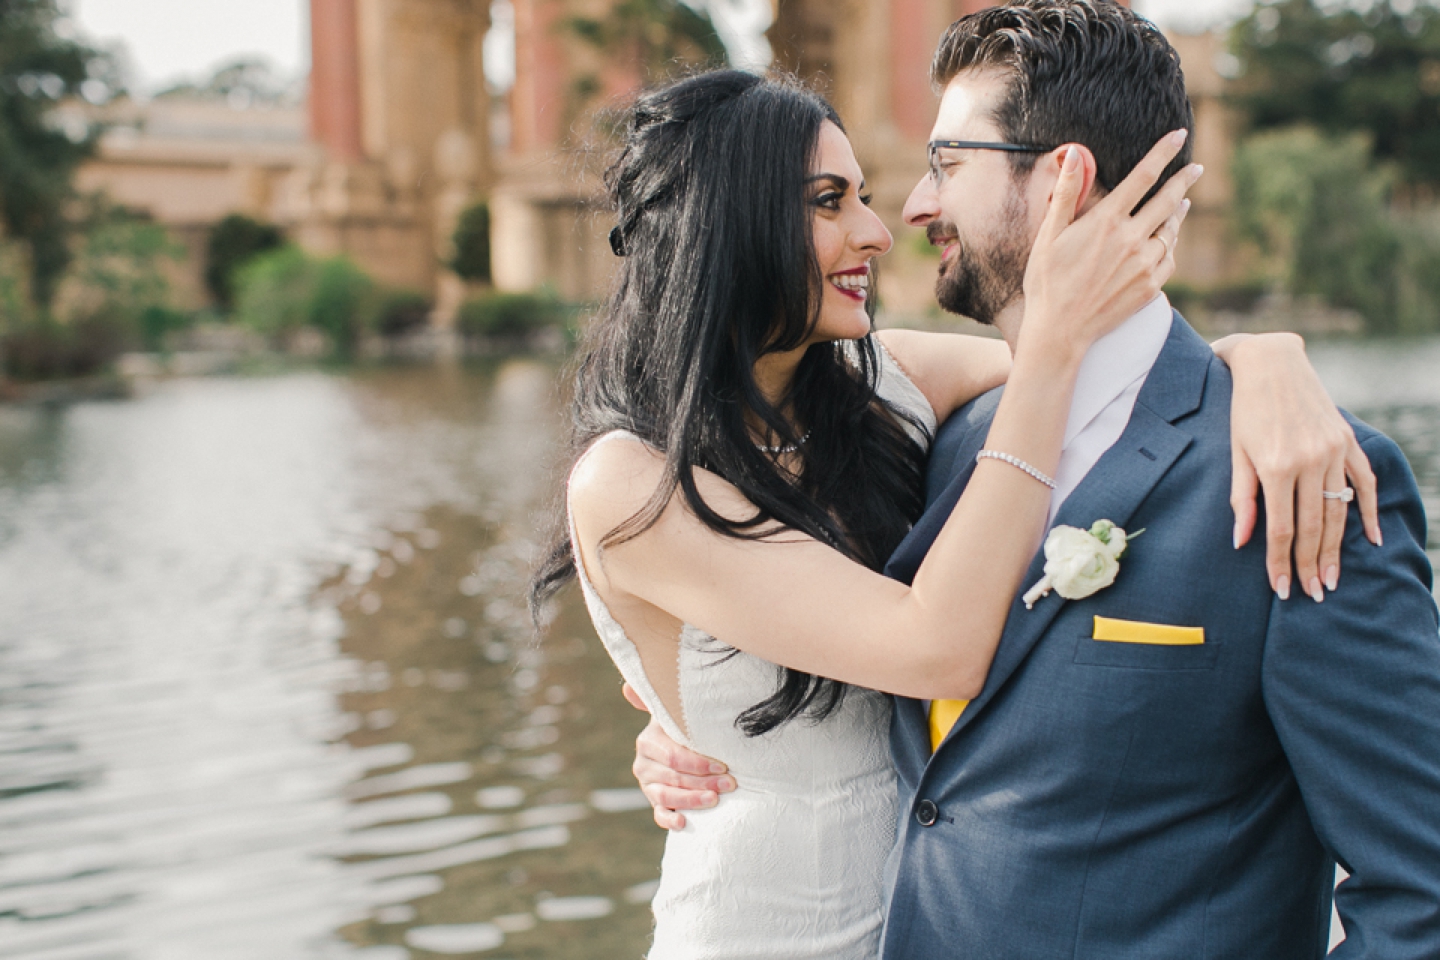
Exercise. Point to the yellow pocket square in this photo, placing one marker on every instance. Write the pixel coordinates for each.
(1134, 631)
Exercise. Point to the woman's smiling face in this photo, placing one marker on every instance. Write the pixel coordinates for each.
(847, 236)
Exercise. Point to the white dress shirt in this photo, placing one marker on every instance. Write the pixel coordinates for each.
(1110, 379)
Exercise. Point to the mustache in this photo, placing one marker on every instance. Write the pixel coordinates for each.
(938, 230)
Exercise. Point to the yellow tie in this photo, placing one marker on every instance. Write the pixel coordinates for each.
(943, 714)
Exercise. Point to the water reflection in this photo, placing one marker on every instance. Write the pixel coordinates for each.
(1392, 384)
(267, 687)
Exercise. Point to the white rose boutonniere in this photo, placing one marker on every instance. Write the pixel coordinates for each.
(1079, 562)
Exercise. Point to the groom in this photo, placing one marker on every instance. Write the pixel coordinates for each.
(1172, 766)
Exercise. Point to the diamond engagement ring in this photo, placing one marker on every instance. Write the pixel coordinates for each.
(1344, 496)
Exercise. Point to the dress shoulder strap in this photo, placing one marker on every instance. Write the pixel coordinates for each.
(897, 389)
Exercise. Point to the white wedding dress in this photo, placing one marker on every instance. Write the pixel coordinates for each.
(789, 865)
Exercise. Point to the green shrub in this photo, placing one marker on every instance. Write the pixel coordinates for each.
(95, 340)
(158, 322)
(1240, 297)
(1317, 209)
(118, 270)
(1236, 296)
(42, 348)
(232, 243)
(114, 297)
(343, 303)
(280, 292)
(1420, 291)
(472, 245)
(37, 349)
(273, 292)
(401, 312)
(511, 318)
(1183, 296)
(15, 305)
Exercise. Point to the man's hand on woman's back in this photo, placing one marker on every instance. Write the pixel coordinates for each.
(674, 778)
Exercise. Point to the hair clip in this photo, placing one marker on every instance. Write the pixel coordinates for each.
(617, 241)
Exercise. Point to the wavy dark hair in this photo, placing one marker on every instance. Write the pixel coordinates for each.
(718, 269)
(1079, 71)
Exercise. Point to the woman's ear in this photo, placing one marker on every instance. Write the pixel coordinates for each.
(1055, 159)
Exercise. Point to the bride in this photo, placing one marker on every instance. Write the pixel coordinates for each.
(747, 455)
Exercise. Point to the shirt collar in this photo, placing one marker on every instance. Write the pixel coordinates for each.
(1116, 362)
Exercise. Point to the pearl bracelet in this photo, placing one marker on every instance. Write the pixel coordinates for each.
(1015, 462)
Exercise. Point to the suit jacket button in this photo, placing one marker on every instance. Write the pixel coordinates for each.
(926, 813)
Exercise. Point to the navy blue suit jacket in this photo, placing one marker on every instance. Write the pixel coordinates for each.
(1128, 800)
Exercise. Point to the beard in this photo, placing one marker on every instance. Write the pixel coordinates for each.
(982, 280)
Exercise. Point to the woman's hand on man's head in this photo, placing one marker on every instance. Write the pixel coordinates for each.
(1087, 274)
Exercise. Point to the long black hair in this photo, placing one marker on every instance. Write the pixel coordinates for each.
(719, 268)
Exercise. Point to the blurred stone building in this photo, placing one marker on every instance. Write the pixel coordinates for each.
(188, 161)
(402, 132)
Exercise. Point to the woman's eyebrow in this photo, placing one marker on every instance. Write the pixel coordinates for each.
(841, 183)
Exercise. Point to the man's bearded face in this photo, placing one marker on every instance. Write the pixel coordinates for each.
(983, 277)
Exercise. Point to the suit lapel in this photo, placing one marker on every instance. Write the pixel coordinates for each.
(1113, 489)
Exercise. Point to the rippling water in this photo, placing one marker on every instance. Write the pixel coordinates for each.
(266, 682)
(267, 687)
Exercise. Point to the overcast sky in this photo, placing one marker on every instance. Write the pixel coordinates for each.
(172, 39)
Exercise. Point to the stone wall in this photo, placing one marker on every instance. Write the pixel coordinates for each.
(398, 139)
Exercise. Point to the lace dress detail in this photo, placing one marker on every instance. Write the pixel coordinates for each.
(790, 864)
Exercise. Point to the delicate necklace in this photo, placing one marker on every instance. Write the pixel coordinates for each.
(784, 447)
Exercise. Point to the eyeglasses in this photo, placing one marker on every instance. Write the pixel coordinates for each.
(937, 145)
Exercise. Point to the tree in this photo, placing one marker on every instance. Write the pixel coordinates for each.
(1343, 69)
(231, 244)
(472, 244)
(660, 34)
(1317, 210)
(284, 290)
(242, 82)
(38, 69)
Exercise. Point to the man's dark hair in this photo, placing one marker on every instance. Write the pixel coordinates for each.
(1080, 71)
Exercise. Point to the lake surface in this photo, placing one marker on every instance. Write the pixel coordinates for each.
(268, 688)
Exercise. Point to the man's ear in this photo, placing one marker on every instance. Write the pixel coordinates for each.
(1055, 159)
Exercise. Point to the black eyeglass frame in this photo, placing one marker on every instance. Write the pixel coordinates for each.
(934, 146)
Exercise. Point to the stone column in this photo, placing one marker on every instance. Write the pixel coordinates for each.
(913, 32)
(537, 101)
(335, 79)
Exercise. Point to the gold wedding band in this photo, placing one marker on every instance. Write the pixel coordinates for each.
(1344, 496)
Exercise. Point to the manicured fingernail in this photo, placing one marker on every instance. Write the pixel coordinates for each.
(1282, 588)
(725, 784)
(1235, 537)
(1072, 156)
(1178, 136)
(1332, 577)
(1185, 205)
(1195, 172)
(709, 799)
(1316, 593)
(718, 767)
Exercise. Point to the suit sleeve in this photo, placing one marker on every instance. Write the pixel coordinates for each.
(1353, 689)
